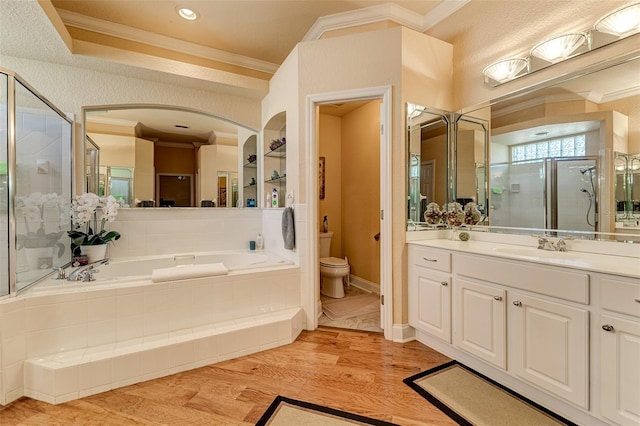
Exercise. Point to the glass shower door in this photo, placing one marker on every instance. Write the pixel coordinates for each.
(575, 194)
(42, 187)
(4, 189)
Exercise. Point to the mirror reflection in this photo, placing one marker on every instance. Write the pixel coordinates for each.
(443, 170)
(428, 136)
(563, 157)
(552, 152)
(154, 156)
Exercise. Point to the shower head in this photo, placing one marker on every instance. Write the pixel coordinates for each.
(588, 170)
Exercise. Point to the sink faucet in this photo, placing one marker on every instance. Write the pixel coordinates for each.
(85, 273)
(546, 244)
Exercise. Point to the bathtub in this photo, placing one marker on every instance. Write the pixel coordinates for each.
(123, 328)
(136, 270)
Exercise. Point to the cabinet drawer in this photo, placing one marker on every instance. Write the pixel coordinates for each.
(430, 258)
(620, 296)
(554, 282)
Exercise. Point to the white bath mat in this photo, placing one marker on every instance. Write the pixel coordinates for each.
(353, 306)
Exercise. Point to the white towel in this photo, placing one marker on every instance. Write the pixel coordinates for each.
(185, 272)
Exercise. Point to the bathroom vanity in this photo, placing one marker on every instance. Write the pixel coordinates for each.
(561, 328)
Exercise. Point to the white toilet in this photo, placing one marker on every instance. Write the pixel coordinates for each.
(332, 269)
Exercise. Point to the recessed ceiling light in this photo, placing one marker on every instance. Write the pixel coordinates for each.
(187, 13)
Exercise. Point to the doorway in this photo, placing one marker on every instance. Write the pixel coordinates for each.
(349, 201)
(382, 210)
(174, 190)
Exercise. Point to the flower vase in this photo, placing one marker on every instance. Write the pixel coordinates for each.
(95, 252)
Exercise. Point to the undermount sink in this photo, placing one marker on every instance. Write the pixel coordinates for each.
(533, 252)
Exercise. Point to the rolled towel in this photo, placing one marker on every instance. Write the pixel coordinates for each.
(185, 272)
(288, 229)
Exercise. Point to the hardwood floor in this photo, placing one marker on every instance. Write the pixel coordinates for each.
(349, 370)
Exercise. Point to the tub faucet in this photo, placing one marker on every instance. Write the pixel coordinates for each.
(85, 273)
(61, 272)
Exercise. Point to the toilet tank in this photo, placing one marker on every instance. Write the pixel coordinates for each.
(325, 243)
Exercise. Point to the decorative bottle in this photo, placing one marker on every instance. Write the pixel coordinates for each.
(325, 224)
(267, 204)
(259, 242)
(274, 198)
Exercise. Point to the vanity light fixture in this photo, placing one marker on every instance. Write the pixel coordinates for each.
(621, 22)
(505, 70)
(558, 48)
(187, 13)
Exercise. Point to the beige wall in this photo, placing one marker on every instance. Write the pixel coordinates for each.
(435, 149)
(144, 172)
(119, 151)
(484, 32)
(329, 147)
(216, 158)
(373, 59)
(631, 108)
(361, 190)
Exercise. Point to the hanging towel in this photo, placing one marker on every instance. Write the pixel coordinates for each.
(288, 229)
(185, 272)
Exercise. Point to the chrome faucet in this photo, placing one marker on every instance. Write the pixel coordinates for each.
(85, 273)
(61, 272)
(546, 244)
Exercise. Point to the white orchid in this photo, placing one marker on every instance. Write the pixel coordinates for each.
(37, 209)
(85, 210)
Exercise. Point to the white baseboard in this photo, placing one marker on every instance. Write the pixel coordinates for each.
(363, 284)
(403, 333)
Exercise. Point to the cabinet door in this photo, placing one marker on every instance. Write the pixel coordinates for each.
(620, 370)
(430, 302)
(550, 346)
(479, 315)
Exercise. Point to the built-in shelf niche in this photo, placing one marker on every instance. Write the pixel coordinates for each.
(275, 158)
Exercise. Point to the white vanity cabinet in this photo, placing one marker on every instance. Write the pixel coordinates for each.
(567, 337)
(549, 345)
(527, 319)
(619, 331)
(480, 320)
(430, 291)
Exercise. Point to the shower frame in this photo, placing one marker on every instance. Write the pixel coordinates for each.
(11, 146)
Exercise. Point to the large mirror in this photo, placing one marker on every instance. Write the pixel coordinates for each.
(155, 156)
(560, 157)
(447, 156)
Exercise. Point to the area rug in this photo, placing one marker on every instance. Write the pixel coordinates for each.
(285, 411)
(352, 306)
(470, 398)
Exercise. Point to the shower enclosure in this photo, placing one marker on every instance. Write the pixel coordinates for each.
(35, 185)
(550, 193)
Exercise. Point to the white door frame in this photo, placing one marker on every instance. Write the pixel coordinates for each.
(312, 294)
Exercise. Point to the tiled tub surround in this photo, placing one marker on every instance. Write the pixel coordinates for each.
(59, 346)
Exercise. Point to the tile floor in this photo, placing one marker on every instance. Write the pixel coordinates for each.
(368, 322)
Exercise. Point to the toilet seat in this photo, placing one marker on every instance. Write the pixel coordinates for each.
(333, 262)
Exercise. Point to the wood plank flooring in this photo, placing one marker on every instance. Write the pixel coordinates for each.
(351, 370)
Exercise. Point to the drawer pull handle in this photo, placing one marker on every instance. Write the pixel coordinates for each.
(637, 300)
(430, 260)
(607, 327)
(444, 283)
(498, 298)
(517, 303)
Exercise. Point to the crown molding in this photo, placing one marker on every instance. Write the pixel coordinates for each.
(620, 94)
(384, 12)
(441, 12)
(369, 15)
(113, 29)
